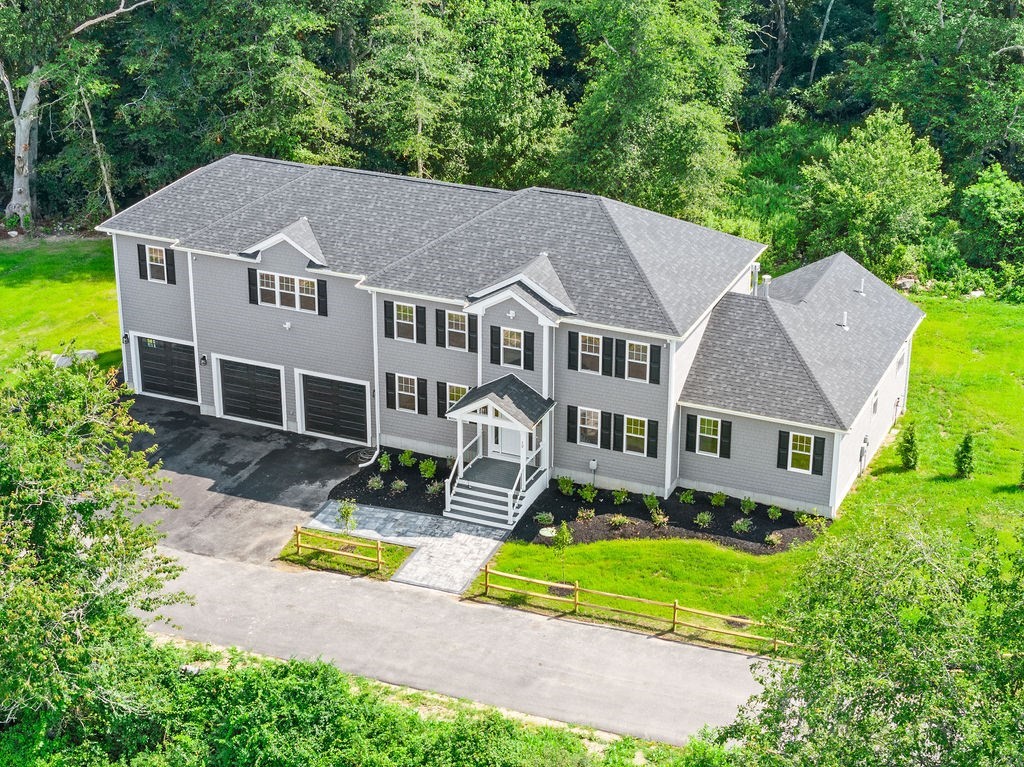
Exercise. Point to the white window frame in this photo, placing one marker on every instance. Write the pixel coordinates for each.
(625, 434)
(809, 453)
(647, 362)
(599, 354)
(399, 377)
(296, 293)
(448, 315)
(151, 252)
(717, 436)
(411, 323)
(448, 393)
(520, 349)
(580, 412)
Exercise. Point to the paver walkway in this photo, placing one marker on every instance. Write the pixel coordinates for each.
(448, 554)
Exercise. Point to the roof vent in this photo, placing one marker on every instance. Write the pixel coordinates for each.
(766, 281)
(861, 290)
(844, 325)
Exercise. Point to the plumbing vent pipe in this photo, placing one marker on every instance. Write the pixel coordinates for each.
(767, 283)
(861, 291)
(844, 325)
(755, 268)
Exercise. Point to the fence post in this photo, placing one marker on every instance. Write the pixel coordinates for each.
(298, 549)
(487, 579)
(576, 596)
(675, 614)
(775, 643)
(379, 561)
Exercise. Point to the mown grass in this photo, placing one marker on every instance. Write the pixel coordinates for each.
(53, 293)
(392, 556)
(967, 372)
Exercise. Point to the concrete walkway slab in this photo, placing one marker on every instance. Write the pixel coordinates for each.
(448, 553)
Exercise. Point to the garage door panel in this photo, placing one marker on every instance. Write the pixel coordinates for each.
(335, 408)
(167, 368)
(252, 392)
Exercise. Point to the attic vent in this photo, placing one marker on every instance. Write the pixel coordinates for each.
(861, 289)
(844, 325)
(766, 282)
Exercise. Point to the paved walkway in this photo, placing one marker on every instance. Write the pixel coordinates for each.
(448, 554)
(592, 675)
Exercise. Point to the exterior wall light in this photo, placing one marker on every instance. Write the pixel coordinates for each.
(202, 360)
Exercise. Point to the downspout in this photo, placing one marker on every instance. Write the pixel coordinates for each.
(376, 382)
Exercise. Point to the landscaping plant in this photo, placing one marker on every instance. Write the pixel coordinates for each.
(561, 542)
(686, 496)
(384, 462)
(407, 459)
(742, 526)
(718, 499)
(651, 502)
(703, 520)
(659, 518)
(375, 483)
(584, 515)
(428, 468)
(399, 486)
(565, 486)
(964, 458)
(620, 496)
(773, 539)
(588, 493)
(544, 518)
(774, 513)
(906, 448)
(434, 488)
(347, 514)
(618, 521)
(747, 506)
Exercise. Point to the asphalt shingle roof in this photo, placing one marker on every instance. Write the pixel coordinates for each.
(788, 357)
(613, 263)
(511, 394)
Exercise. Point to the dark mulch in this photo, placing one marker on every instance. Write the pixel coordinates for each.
(680, 521)
(413, 498)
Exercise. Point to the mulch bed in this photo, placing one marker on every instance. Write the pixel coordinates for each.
(680, 521)
(413, 498)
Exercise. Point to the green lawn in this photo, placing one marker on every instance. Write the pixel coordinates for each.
(54, 293)
(392, 556)
(967, 373)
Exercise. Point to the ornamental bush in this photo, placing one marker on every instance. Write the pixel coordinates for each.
(906, 448)
(620, 496)
(964, 458)
(407, 459)
(565, 486)
(718, 499)
(428, 468)
(588, 493)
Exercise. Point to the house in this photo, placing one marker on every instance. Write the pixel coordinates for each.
(526, 334)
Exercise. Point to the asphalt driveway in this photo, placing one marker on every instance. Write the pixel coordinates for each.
(242, 487)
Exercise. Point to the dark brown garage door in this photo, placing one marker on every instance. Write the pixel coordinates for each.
(334, 408)
(167, 368)
(252, 392)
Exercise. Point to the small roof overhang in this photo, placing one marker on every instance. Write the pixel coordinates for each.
(517, 400)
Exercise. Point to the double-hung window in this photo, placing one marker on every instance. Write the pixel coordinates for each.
(406, 394)
(511, 348)
(588, 427)
(637, 356)
(590, 353)
(708, 436)
(801, 446)
(636, 435)
(455, 393)
(405, 321)
(456, 330)
(156, 264)
(287, 292)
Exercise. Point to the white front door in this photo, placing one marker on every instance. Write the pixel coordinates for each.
(506, 443)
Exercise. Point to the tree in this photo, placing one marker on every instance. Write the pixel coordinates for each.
(992, 211)
(908, 650)
(33, 40)
(561, 542)
(906, 449)
(875, 195)
(74, 561)
(964, 457)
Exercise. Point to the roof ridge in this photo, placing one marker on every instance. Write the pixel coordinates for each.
(803, 362)
(643, 274)
(648, 211)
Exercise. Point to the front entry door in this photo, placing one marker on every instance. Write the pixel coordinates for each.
(506, 443)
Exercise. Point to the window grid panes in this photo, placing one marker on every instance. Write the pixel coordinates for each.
(708, 436)
(157, 262)
(636, 361)
(800, 449)
(406, 389)
(512, 348)
(590, 353)
(405, 321)
(589, 422)
(636, 435)
(456, 330)
(287, 292)
(455, 393)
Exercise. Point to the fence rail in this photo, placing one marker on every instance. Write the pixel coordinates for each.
(340, 544)
(674, 612)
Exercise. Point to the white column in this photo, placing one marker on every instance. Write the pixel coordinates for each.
(458, 442)
(523, 448)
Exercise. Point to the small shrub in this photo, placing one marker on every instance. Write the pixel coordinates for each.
(384, 463)
(651, 502)
(620, 496)
(618, 521)
(584, 515)
(399, 486)
(747, 506)
(434, 488)
(718, 499)
(703, 520)
(588, 493)
(774, 513)
(813, 522)
(773, 539)
(544, 518)
(376, 482)
(964, 458)
(565, 486)
(347, 514)
(906, 448)
(686, 496)
(659, 518)
(407, 459)
(742, 526)
(428, 468)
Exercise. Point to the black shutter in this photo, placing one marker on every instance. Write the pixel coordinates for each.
(783, 457)
(143, 269)
(254, 288)
(389, 389)
(652, 439)
(169, 260)
(527, 350)
(421, 395)
(472, 333)
(691, 433)
(818, 459)
(421, 324)
(442, 399)
(607, 351)
(574, 350)
(725, 440)
(389, 319)
(571, 422)
(440, 334)
(620, 358)
(617, 428)
(321, 297)
(655, 376)
(495, 345)
(606, 430)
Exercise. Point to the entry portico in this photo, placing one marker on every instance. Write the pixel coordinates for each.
(503, 452)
